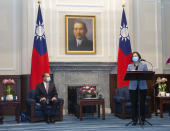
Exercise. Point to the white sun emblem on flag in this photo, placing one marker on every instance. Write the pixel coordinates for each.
(40, 33)
(124, 34)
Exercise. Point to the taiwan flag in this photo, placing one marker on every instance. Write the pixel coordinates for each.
(40, 62)
(124, 53)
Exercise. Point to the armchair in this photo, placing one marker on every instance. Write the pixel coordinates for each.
(122, 103)
(34, 112)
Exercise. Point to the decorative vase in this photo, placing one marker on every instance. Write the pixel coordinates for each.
(162, 93)
(9, 97)
(88, 96)
(168, 94)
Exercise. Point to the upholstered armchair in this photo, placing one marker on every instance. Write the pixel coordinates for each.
(122, 103)
(34, 111)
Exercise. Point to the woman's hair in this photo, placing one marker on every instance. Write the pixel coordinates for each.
(135, 52)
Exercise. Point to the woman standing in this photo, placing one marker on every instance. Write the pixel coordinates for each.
(135, 86)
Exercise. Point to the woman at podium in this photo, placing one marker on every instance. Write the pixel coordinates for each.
(137, 89)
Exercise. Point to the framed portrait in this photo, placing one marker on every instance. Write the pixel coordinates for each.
(80, 34)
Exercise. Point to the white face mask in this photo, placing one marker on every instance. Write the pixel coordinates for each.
(135, 59)
(48, 79)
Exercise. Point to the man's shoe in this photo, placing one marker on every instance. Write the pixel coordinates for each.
(48, 120)
(134, 123)
(52, 119)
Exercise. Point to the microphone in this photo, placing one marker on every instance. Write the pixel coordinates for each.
(142, 60)
(147, 62)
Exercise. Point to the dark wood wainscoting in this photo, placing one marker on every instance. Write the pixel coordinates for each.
(113, 86)
(150, 83)
(21, 87)
(25, 85)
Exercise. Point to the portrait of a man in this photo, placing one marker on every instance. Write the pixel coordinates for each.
(80, 35)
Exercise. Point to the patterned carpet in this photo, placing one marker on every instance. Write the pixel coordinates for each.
(89, 123)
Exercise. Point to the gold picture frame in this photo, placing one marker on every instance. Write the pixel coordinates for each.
(80, 34)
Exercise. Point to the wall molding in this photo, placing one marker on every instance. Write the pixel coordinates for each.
(82, 66)
(85, 4)
(85, 12)
(156, 34)
(14, 41)
(163, 2)
(138, 28)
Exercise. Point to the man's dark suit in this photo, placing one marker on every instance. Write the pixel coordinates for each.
(86, 45)
(41, 92)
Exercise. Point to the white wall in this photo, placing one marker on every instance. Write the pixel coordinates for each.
(10, 37)
(147, 31)
(108, 16)
(166, 34)
(143, 16)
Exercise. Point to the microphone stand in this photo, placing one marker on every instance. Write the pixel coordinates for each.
(138, 91)
(147, 62)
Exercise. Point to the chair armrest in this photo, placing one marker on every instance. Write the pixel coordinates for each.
(121, 100)
(29, 101)
(118, 99)
(60, 100)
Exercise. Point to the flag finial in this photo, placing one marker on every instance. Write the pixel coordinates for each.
(123, 3)
(39, 1)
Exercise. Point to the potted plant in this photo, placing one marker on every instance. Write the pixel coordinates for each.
(9, 91)
(162, 87)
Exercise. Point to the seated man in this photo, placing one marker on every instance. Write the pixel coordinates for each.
(46, 94)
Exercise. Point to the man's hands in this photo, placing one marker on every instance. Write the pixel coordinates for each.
(54, 98)
(44, 99)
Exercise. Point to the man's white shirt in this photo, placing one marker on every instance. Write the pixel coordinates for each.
(45, 85)
(79, 42)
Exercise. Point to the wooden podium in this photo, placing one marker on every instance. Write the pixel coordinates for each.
(139, 75)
